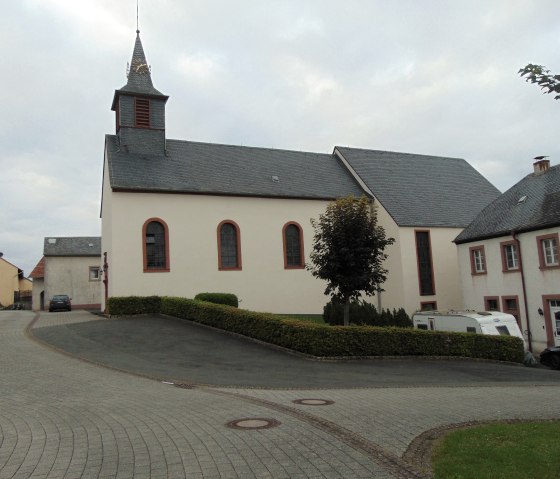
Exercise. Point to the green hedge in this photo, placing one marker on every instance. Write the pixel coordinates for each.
(219, 298)
(322, 340)
(129, 305)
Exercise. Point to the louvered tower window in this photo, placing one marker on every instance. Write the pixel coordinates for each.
(142, 112)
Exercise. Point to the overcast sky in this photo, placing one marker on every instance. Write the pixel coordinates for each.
(431, 77)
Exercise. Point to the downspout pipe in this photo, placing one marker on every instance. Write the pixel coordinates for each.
(518, 244)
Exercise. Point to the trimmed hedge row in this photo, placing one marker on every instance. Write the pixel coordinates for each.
(219, 298)
(130, 305)
(321, 340)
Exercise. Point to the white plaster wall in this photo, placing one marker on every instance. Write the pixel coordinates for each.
(496, 283)
(445, 267)
(70, 275)
(38, 287)
(263, 284)
(392, 296)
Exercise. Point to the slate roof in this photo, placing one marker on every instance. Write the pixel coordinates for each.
(72, 246)
(207, 168)
(39, 270)
(138, 82)
(422, 190)
(541, 209)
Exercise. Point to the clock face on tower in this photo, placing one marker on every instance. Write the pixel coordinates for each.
(142, 68)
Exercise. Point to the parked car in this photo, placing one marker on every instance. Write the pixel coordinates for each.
(60, 302)
(551, 357)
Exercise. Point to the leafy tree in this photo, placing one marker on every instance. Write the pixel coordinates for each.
(542, 77)
(348, 250)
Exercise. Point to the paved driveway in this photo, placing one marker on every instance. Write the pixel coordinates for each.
(180, 350)
(61, 417)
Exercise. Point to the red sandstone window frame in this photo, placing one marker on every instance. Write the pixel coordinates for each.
(472, 251)
(487, 299)
(540, 245)
(167, 268)
(239, 265)
(301, 251)
(505, 267)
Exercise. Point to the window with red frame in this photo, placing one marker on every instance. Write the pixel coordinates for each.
(293, 246)
(229, 246)
(478, 260)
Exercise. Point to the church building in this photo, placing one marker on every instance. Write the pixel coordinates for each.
(181, 217)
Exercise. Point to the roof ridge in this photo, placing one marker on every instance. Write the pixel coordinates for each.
(402, 153)
(265, 148)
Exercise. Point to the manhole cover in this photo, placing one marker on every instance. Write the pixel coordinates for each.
(313, 402)
(253, 423)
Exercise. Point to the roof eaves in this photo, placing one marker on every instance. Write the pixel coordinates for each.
(119, 189)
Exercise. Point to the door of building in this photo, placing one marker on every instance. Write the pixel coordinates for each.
(555, 317)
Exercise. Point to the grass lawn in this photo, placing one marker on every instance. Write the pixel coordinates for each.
(314, 318)
(512, 451)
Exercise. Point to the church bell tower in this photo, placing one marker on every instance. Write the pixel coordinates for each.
(140, 108)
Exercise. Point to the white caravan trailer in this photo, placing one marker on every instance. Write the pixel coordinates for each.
(484, 322)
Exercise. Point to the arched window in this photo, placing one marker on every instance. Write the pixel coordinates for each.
(155, 243)
(229, 246)
(292, 235)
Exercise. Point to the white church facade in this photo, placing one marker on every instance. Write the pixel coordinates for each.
(182, 217)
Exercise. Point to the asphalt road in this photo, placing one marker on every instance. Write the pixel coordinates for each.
(184, 351)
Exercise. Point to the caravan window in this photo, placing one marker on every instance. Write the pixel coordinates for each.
(471, 329)
(423, 326)
(503, 330)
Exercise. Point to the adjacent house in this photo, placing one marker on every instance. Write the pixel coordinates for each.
(182, 217)
(509, 256)
(14, 286)
(72, 266)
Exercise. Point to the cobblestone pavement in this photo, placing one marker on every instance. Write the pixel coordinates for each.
(66, 418)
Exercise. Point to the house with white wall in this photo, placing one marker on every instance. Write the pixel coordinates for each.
(183, 217)
(72, 266)
(509, 256)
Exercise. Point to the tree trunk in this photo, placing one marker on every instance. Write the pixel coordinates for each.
(347, 312)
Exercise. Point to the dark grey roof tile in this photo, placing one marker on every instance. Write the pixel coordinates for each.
(540, 208)
(206, 168)
(72, 246)
(422, 190)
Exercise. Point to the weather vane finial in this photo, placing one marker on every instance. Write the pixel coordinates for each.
(137, 25)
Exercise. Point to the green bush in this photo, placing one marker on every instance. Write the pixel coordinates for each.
(129, 305)
(365, 314)
(321, 340)
(219, 298)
